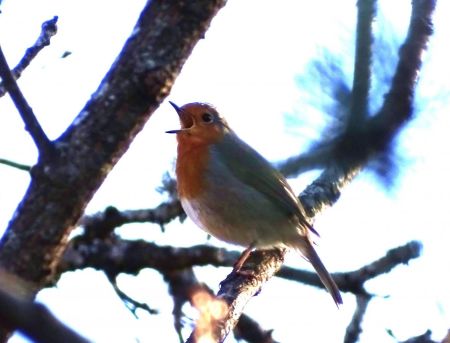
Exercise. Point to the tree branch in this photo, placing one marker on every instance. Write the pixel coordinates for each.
(16, 165)
(32, 125)
(236, 290)
(136, 84)
(354, 281)
(48, 30)
(184, 287)
(35, 321)
(354, 329)
(363, 64)
(139, 80)
(130, 303)
(424, 338)
(361, 143)
(114, 255)
(103, 223)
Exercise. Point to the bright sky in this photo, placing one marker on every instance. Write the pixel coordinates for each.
(248, 66)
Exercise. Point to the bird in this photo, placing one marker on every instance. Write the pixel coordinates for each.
(234, 194)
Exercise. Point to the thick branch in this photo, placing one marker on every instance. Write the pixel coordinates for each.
(184, 285)
(139, 80)
(34, 321)
(238, 288)
(48, 30)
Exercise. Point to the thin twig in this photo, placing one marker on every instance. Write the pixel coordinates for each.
(131, 304)
(48, 30)
(354, 281)
(16, 165)
(32, 125)
(354, 329)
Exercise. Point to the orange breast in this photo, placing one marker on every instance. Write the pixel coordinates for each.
(191, 166)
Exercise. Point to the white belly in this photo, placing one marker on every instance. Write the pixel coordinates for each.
(222, 222)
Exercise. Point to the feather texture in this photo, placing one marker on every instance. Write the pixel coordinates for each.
(233, 193)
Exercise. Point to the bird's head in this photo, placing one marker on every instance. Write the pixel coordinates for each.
(200, 124)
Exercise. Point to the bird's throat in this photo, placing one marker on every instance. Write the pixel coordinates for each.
(190, 169)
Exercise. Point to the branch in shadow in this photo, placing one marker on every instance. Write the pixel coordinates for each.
(35, 321)
(114, 255)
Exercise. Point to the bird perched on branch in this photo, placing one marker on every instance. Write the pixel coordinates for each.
(233, 193)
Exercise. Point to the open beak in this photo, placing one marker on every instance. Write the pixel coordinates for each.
(177, 109)
(185, 118)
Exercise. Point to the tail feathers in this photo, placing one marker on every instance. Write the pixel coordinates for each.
(308, 251)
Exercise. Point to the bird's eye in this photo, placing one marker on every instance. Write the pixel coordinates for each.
(207, 117)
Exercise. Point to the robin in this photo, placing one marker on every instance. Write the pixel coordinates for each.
(233, 193)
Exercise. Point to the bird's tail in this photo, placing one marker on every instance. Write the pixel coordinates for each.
(308, 251)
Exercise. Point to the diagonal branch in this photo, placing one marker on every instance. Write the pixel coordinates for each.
(136, 84)
(184, 286)
(238, 288)
(48, 30)
(61, 187)
(35, 321)
(32, 125)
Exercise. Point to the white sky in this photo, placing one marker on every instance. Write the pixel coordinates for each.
(247, 66)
